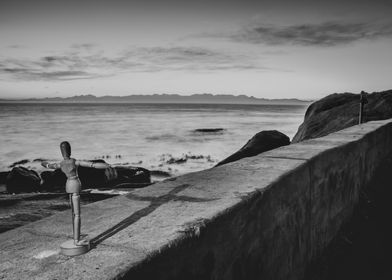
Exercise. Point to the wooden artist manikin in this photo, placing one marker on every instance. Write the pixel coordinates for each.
(69, 166)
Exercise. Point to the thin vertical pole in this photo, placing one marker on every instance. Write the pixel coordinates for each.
(362, 102)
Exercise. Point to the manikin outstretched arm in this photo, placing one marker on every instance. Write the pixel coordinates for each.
(46, 164)
(97, 165)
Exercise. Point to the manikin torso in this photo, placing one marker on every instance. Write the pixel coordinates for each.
(69, 167)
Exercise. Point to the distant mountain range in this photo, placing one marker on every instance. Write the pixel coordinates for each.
(162, 98)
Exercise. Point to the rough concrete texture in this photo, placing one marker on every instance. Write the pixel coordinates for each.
(264, 217)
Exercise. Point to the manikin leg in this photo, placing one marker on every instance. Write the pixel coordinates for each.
(75, 246)
(72, 212)
(76, 217)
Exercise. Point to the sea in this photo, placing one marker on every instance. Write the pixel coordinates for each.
(167, 138)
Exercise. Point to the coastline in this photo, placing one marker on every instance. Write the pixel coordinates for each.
(343, 117)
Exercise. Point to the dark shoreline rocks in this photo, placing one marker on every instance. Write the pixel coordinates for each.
(263, 141)
(23, 180)
(30, 197)
(110, 178)
(53, 181)
(3, 177)
(338, 111)
(170, 159)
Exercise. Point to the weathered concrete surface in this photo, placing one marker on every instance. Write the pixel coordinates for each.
(263, 217)
(361, 249)
(21, 209)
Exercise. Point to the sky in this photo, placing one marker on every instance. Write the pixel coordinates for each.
(268, 49)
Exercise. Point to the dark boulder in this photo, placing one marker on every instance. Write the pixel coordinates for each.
(127, 177)
(21, 179)
(3, 177)
(261, 142)
(53, 181)
(120, 176)
(338, 111)
(114, 177)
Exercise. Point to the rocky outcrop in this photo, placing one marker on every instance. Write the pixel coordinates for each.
(261, 142)
(338, 111)
(21, 179)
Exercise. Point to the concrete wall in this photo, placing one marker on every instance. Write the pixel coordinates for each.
(264, 217)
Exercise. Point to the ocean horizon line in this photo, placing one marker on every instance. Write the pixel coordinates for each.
(159, 99)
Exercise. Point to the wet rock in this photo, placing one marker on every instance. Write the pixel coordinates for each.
(40, 159)
(160, 173)
(53, 181)
(261, 142)
(92, 178)
(3, 177)
(209, 130)
(170, 159)
(23, 161)
(190, 156)
(174, 160)
(338, 111)
(21, 179)
(127, 177)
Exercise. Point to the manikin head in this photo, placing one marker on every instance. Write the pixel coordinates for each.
(65, 148)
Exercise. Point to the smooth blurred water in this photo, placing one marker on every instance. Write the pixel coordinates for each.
(143, 134)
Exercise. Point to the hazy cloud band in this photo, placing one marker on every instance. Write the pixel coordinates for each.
(321, 34)
(84, 62)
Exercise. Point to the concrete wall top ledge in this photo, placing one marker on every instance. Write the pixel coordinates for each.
(129, 229)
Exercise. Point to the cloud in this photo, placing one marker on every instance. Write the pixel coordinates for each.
(83, 46)
(323, 34)
(58, 68)
(77, 63)
(15, 46)
(53, 75)
(187, 58)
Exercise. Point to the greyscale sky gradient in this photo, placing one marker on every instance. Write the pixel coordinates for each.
(271, 49)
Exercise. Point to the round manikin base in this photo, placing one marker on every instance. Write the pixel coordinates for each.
(69, 248)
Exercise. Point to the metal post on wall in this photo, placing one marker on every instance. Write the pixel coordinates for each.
(363, 101)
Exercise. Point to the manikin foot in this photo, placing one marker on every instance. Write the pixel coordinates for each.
(75, 248)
